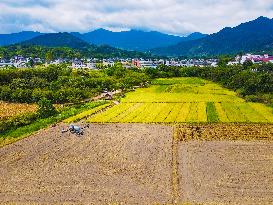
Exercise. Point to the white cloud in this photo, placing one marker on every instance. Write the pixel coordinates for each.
(170, 16)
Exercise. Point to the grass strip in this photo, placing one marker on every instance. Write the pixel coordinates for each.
(212, 113)
(22, 132)
(86, 113)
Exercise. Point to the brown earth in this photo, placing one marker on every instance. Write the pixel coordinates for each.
(226, 172)
(110, 163)
(139, 164)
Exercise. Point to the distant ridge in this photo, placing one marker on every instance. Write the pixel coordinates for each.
(256, 35)
(134, 39)
(57, 40)
(129, 40)
(65, 45)
(8, 39)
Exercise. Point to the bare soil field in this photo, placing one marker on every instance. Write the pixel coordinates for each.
(225, 172)
(129, 164)
(140, 164)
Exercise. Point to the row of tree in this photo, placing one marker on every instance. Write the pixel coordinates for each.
(61, 84)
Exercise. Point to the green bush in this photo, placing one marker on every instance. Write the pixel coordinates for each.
(46, 108)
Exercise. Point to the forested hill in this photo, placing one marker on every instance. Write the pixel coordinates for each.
(65, 45)
(57, 40)
(8, 39)
(92, 51)
(134, 39)
(252, 36)
(129, 40)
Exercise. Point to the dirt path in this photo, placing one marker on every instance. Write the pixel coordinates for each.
(138, 164)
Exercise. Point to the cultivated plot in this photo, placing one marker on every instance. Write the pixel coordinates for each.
(179, 100)
(225, 172)
(8, 110)
(124, 164)
(141, 164)
(224, 164)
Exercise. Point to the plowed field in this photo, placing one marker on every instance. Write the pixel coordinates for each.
(140, 164)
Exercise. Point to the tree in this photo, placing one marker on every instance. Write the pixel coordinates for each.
(48, 56)
(46, 108)
(223, 61)
(247, 64)
(30, 63)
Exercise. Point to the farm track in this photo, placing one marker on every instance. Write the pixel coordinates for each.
(141, 164)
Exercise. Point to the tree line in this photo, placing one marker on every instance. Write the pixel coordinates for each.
(61, 84)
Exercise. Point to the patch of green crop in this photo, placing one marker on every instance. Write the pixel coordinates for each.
(212, 115)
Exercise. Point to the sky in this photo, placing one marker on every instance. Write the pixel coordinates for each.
(178, 17)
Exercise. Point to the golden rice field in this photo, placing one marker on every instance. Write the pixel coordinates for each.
(180, 100)
(8, 110)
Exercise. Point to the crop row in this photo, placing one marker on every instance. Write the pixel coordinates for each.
(180, 90)
(85, 114)
(152, 95)
(184, 112)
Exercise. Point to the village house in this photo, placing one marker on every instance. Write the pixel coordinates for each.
(256, 58)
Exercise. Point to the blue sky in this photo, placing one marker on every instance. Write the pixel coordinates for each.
(169, 16)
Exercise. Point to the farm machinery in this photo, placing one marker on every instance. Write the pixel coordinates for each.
(74, 129)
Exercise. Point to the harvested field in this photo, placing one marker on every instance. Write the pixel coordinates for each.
(8, 110)
(110, 163)
(225, 172)
(210, 132)
(141, 164)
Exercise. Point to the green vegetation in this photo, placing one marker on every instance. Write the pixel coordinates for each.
(36, 51)
(252, 82)
(211, 112)
(17, 121)
(86, 113)
(15, 133)
(46, 108)
(61, 84)
(178, 100)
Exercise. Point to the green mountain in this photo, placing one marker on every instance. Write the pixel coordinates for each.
(128, 40)
(8, 39)
(57, 40)
(134, 39)
(251, 36)
(65, 45)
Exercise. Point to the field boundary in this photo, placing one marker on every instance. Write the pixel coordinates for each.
(175, 178)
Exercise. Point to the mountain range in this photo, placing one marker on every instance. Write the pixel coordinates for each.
(13, 38)
(253, 36)
(127, 40)
(134, 39)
